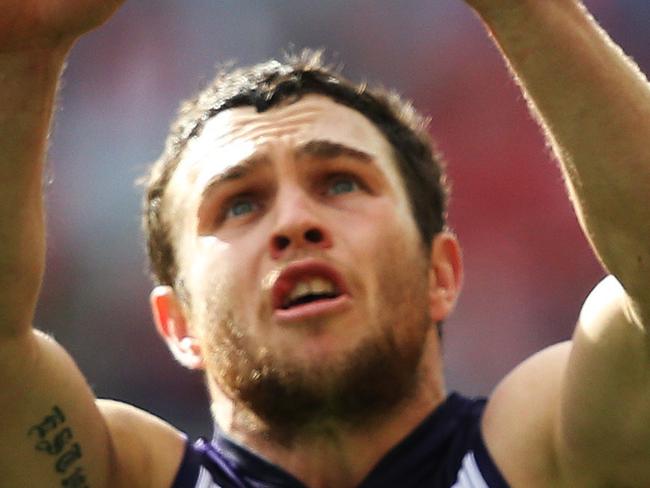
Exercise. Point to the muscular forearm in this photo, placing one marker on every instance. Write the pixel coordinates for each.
(28, 83)
(595, 106)
(35, 36)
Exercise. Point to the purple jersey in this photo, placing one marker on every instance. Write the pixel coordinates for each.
(445, 451)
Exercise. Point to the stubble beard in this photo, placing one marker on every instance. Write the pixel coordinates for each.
(357, 389)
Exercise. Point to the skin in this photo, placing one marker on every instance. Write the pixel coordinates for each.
(587, 413)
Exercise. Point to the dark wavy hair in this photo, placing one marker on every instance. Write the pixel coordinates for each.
(268, 84)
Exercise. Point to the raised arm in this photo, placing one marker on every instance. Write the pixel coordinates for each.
(53, 431)
(35, 37)
(594, 105)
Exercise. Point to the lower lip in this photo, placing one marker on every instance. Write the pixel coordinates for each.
(313, 310)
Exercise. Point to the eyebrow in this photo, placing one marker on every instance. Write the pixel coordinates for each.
(323, 149)
(318, 149)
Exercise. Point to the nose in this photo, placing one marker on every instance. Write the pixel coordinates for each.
(297, 227)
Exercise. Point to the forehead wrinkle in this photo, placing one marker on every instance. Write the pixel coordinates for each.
(245, 126)
(321, 149)
(245, 121)
(269, 124)
(230, 133)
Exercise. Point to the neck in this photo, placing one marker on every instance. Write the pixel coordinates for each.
(310, 455)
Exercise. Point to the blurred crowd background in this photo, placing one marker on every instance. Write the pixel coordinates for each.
(528, 268)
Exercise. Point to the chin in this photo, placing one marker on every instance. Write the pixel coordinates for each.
(326, 381)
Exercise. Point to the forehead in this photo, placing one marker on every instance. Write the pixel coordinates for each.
(236, 134)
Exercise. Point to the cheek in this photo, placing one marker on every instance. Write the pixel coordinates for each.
(211, 272)
(390, 232)
(388, 251)
(222, 277)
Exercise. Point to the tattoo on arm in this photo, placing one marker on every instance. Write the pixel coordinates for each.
(54, 438)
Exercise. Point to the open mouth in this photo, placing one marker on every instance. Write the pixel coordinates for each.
(307, 285)
(308, 290)
(309, 298)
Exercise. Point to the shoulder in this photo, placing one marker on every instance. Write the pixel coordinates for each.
(520, 419)
(147, 450)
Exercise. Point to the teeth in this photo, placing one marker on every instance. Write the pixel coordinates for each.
(321, 285)
(311, 286)
(301, 288)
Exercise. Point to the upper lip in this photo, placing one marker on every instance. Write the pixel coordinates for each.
(307, 268)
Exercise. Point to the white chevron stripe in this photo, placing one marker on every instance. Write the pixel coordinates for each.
(469, 476)
(205, 480)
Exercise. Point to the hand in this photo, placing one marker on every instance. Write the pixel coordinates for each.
(49, 24)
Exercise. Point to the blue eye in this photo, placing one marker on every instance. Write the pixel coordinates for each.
(343, 185)
(241, 207)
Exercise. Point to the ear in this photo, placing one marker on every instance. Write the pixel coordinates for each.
(171, 324)
(445, 275)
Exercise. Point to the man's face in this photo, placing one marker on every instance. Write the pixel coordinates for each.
(303, 263)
